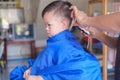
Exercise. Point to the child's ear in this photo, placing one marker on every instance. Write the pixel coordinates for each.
(65, 23)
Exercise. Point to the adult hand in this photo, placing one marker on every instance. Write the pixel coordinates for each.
(78, 15)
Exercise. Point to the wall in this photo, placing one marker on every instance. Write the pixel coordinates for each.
(34, 9)
(26, 4)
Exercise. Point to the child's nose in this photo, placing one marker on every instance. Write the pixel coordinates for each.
(46, 28)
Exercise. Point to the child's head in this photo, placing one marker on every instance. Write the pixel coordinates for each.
(57, 17)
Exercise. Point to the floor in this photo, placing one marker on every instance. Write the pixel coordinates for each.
(11, 64)
(111, 77)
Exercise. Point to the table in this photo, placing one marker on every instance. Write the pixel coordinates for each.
(18, 42)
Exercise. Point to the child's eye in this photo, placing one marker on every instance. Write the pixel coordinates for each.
(48, 24)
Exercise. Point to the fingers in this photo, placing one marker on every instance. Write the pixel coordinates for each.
(26, 73)
(26, 77)
(72, 15)
(78, 15)
(74, 10)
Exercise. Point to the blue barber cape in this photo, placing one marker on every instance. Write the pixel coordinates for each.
(65, 59)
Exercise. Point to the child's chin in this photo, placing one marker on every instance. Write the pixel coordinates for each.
(49, 36)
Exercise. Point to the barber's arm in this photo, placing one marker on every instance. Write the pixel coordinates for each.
(109, 22)
(109, 41)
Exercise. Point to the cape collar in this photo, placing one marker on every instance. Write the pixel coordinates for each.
(61, 36)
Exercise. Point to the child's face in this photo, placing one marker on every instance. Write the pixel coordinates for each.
(54, 24)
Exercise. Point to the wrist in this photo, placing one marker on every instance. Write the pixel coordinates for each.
(87, 22)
